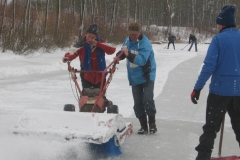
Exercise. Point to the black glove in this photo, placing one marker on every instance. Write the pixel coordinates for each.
(195, 95)
(122, 57)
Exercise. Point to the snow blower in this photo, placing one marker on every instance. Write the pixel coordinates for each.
(220, 147)
(97, 121)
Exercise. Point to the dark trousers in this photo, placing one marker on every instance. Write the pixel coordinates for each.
(217, 106)
(195, 42)
(170, 43)
(143, 99)
(87, 84)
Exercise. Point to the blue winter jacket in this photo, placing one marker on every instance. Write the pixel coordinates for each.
(142, 66)
(222, 62)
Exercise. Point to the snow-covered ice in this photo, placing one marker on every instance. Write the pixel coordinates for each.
(41, 81)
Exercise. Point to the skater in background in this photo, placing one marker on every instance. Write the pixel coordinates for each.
(141, 68)
(192, 40)
(171, 39)
(222, 65)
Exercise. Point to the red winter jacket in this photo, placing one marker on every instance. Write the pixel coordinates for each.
(93, 78)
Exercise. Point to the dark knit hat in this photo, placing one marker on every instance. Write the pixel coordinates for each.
(92, 29)
(226, 16)
(134, 28)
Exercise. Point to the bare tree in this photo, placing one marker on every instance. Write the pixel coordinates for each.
(93, 6)
(82, 16)
(29, 15)
(193, 12)
(141, 12)
(25, 20)
(106, 13)
(46, 18)
(203, 15)
(113, 16)
(73, 10)
(3, 15)
(14, 15)
(136, 11)
(58, 15)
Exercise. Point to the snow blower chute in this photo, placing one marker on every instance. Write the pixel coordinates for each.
(96, 122)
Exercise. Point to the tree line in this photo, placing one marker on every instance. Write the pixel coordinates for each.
(27, 25)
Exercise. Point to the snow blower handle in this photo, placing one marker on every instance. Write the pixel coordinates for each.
(72, 72)
(119, 56)
(70, 69)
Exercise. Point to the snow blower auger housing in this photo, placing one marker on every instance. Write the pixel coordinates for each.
(91, 124)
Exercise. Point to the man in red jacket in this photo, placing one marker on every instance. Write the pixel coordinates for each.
(91, 54)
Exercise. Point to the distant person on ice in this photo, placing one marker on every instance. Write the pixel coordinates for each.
(222, 65)
(171, 39)
(141, 68)
(192, 39)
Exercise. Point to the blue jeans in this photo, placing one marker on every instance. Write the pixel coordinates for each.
(170, 43)
(143, 99)
(192, 45)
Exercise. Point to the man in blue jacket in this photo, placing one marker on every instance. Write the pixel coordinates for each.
(141, 68)
(222, 64)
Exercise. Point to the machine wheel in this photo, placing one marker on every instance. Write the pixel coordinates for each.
(112, 109)
(69, 107)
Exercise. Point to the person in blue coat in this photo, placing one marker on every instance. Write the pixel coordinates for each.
(222, 64)
(141, 69)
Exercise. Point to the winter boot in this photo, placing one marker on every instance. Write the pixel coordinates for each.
(203, 156)
(152, 124)
(144, 126)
